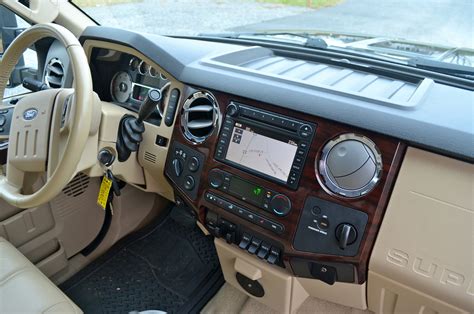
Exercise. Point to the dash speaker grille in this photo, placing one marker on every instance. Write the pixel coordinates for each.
(150, 157)
(77, 186)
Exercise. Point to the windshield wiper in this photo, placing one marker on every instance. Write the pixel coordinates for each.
(310, 41)
(443, 67)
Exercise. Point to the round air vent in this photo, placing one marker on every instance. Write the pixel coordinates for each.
(200, 116)
(54, 74)
(350, 165)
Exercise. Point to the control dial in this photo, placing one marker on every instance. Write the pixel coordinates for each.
(232, 110)
(216, 179)
(280, 205)
(346, 234)
(177, 167)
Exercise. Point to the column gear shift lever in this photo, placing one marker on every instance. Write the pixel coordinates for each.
(131, 128)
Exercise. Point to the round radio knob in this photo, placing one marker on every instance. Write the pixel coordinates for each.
(280, 205)
(216, 179)
(232, 110)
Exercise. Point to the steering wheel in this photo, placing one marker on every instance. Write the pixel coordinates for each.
(38, 123)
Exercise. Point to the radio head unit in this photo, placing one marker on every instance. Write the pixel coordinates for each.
(266, 144)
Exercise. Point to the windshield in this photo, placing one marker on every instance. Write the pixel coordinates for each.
(440, 30)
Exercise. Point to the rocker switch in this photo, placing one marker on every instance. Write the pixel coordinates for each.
(264, 250)
(274, 256)
(254, 245)
(245, 241)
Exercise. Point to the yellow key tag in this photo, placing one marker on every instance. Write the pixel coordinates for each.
(104, 191)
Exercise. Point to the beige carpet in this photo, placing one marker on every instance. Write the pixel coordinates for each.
(230, 300)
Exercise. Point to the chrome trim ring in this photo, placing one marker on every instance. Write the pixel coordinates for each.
(152, 69)
(216, 116)
(132, 61)
(332, 186)
(147, 68)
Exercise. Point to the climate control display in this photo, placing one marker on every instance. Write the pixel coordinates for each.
(271, 201)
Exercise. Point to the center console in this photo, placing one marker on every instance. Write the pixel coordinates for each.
(297, 192)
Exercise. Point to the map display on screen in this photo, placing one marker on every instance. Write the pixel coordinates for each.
(261, 153)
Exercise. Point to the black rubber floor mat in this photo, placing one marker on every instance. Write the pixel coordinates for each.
(171, 266)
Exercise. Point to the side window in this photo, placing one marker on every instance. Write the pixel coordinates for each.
(11, 26)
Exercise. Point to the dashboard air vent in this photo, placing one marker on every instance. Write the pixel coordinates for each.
(200, 116)
(54, 74)
(350, 165)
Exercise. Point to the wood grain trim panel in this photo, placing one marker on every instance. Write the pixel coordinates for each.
(374, 203)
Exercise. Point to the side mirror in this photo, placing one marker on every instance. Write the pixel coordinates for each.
(9, 30)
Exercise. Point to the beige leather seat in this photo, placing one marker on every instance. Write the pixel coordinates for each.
(25, 289)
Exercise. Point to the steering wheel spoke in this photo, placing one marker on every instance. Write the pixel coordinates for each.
(60, 128)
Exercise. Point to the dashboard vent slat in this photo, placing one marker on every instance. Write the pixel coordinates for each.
(56, 70)
(53, 80)
(200, 124)
(202, 108)
(200, 116)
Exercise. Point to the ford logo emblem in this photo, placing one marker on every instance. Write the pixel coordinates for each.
(30, 114)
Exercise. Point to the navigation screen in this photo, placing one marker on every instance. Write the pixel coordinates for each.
(267, 155)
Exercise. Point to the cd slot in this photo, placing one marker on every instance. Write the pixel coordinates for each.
(271, 119)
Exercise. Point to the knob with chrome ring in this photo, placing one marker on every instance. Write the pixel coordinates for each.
(280, 205)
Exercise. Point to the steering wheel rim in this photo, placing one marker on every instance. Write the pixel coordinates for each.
(11, 184)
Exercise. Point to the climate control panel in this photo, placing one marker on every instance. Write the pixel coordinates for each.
(276, 203)
(184, 166)
(245, 213)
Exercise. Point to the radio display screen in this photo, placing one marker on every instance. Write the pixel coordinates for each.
(263, 152)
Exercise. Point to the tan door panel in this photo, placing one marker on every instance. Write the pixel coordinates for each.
(423, 259)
